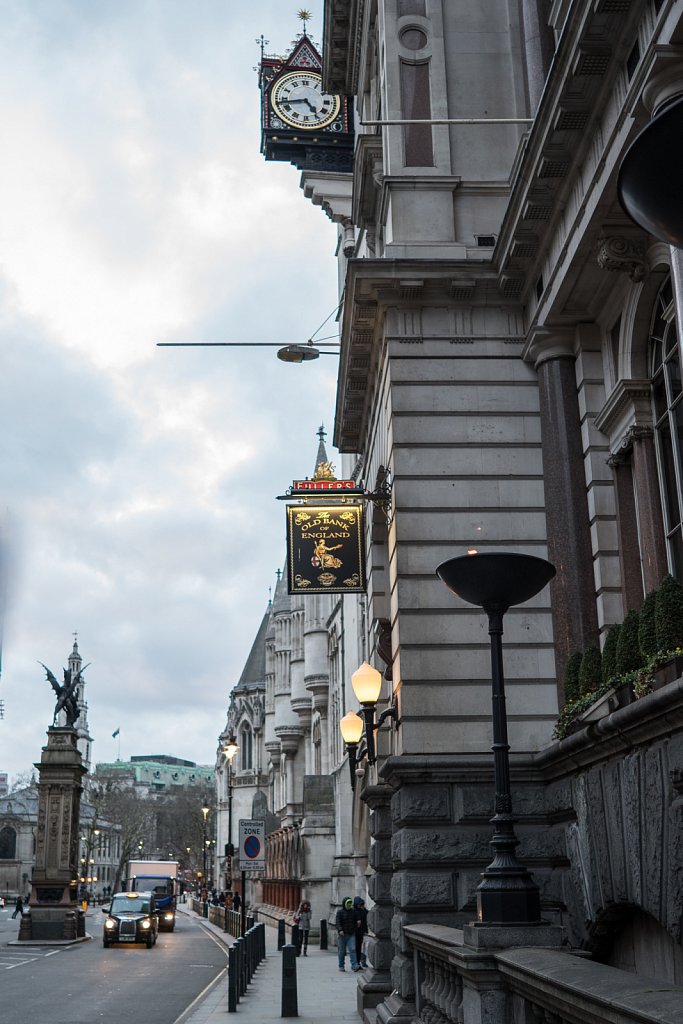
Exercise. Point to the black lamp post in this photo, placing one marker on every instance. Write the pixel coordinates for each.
(229, 750)
(205, 811)
(507, 894)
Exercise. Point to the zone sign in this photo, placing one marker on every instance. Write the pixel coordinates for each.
(252, 845)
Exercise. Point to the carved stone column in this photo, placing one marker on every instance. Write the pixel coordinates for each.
(375, 983)
(575, 619)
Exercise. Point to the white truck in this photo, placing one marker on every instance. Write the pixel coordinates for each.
(159, 877)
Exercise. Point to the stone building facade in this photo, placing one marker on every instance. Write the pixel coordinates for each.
(509, 354)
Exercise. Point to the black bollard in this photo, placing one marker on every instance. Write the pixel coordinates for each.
(323, 934)
(232, 980)
(290, 1005)
(280, 934)
(296, 938)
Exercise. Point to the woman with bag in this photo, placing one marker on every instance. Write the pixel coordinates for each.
(302, 918)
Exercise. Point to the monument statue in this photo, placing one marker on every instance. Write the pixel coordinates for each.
(67, 694)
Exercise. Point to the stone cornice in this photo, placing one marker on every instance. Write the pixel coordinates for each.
(368, 283)
(331, 190)
(629, 405)
(342, 45)
(589, 56)
(656, 716)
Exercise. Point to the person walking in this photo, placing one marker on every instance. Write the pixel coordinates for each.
(361, 929)
(345, 921)
(302, 918)
(236, 901)
(18, 907)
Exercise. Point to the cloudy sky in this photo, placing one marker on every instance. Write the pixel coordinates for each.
(137, 484)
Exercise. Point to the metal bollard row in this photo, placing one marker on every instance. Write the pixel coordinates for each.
(244, 956)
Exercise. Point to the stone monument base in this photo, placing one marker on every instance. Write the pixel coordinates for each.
(50, 924)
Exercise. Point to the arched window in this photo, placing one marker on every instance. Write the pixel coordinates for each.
(667, 416)
(8, 843)
(246, 748)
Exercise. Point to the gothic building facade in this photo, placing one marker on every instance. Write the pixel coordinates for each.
(290, 767)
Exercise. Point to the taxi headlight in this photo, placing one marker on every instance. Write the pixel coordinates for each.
(168, 917)
(110, 924)
(146, 923)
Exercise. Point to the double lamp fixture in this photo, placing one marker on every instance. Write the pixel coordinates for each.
(367, 684)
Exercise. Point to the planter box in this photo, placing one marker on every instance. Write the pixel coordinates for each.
(669, 672)
(624, 694)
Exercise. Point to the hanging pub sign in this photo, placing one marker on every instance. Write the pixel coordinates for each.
(326, 552)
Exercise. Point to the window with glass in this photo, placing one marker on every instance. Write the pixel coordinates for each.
(667, 416)
(246, 748)
(8, 843)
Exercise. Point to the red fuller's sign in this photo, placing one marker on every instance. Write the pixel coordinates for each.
(326, 486)
(325, 549)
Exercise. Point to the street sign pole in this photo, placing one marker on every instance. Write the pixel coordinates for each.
(243, 905)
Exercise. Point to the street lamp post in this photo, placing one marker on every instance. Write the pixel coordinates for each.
(205, 811)
(507, 894)
(230, 750)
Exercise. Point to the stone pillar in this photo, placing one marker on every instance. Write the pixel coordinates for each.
(650, 518)
(627, 525)
(575, 621)
(539, 46)
(375, 983)
(54, 892)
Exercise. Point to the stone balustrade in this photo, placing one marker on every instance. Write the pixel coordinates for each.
(459, 984)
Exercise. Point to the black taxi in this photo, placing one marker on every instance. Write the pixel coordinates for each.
(131, 917)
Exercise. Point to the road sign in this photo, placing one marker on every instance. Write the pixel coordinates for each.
(252, 845)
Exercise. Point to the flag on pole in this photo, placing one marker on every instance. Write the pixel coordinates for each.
(115, 734)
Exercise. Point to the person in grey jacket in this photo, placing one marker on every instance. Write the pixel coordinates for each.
(302, 918)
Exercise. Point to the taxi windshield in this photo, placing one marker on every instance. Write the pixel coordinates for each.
(126, 905)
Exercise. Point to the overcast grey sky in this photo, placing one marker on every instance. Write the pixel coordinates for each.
(137, 484)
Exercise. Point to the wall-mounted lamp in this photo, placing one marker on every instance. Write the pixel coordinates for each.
(367, 685)
(351, 727)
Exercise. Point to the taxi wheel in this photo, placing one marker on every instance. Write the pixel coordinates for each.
(105, 943)
(150, 941)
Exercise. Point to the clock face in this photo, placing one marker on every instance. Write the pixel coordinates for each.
(299, 101)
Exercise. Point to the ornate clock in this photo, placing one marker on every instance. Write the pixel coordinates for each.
(298, 100)
(299, 122)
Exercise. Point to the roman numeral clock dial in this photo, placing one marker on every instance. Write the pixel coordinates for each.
(299, 101)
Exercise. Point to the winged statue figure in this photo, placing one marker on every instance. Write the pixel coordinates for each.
(67, 694)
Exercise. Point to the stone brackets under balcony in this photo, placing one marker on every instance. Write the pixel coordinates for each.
(318, 687)
(290, 737)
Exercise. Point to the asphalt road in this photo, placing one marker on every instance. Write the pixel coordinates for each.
(87, 984)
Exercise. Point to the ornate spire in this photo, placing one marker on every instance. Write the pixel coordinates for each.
(304, 15)
(324, 470)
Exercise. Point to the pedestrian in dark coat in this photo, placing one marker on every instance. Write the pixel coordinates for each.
(18, 907)
(361, 929)
(345, 922)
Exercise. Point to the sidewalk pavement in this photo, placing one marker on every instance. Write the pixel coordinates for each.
(325, 995)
